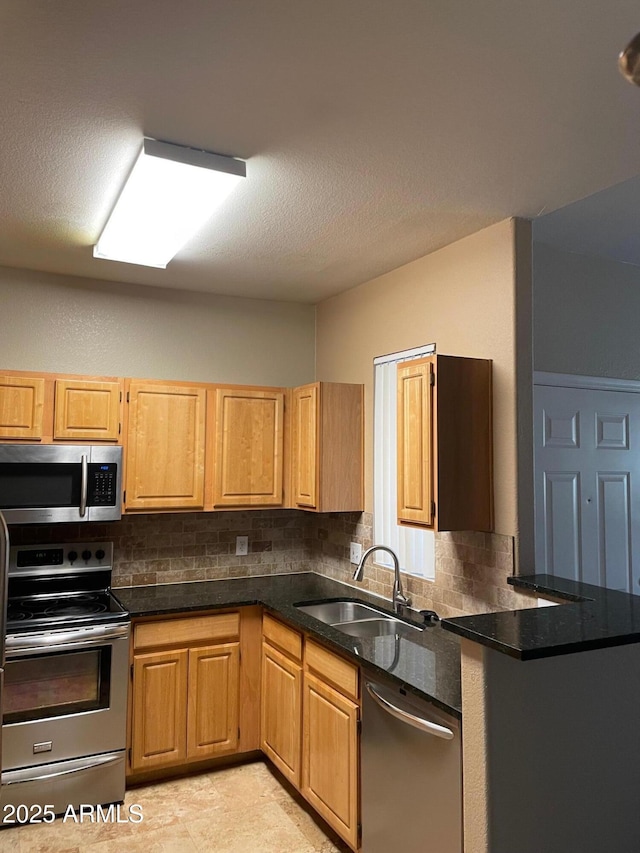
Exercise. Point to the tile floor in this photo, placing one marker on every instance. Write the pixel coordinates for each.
(240, 809)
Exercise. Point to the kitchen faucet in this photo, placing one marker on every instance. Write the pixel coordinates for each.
(399, 599)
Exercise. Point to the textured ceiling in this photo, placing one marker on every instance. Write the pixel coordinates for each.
(375, 131)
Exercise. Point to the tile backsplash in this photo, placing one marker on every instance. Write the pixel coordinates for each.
(471, 568)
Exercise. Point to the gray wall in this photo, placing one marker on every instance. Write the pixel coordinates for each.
(554, 757)
(586, 314)
(73, 325)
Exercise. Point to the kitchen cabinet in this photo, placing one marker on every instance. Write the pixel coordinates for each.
(327, 447)
(310, 723)
(445, 463)
(249, 447)
(165, 454)
(86, 410)
(49, 408)
(21, 407)
(330, 751)
(186, 690)
(281, 713)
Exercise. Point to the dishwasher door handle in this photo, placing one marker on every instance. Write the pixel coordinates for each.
(421, 723)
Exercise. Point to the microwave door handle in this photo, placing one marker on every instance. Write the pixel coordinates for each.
(84, 481)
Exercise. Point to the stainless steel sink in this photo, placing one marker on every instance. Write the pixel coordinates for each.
(333, 612)
(356, 619)
(375, 627)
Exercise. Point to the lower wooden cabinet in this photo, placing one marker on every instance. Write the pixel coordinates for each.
(281, 716)
(330, 756)
(186, 701)
(310, 723)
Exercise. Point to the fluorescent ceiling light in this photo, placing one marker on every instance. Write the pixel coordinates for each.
(170, 193)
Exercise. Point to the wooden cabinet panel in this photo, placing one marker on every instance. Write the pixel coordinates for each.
(21, 407)
(166, 446)
(305, 445)
(88, 411)
(187, 631)
(214, 700)
(332, 668)
(285, 638)
(249, 447)
(330, 757)
(415, 476)
(159, 709)
(281, 712)
(327, 447)
(445, 434)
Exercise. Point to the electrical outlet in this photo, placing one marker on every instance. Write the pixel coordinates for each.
(356, 552)
(242, 546)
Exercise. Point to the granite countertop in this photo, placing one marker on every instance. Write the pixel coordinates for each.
(426, 663)
(591, 618)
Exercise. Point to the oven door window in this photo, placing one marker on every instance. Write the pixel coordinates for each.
(54, 685)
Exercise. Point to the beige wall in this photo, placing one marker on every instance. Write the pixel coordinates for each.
(585, 312)
(73, 325)
(463, 298)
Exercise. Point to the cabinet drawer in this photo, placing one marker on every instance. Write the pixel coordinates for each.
(332, 668)
(188, 631)
(285, 638)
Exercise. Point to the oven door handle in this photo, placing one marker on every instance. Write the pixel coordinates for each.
(84, 482)
(79, 766)
(20, 645)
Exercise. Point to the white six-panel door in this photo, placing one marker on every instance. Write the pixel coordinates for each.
(587, 484)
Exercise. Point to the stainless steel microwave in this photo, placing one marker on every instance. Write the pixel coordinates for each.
(46, 483)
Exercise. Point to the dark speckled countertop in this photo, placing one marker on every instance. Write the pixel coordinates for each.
(591, 618)
(426, 663)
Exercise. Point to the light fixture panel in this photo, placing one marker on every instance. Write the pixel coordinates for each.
(169, 195)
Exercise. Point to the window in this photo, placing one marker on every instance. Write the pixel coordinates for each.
(415, 547)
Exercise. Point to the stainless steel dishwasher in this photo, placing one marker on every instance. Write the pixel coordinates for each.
(411, 779)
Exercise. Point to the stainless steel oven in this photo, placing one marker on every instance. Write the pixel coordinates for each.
(50, 483)
(65, 681)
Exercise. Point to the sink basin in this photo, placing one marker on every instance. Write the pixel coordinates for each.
(374, 627)
(356, 619)
(334, 612)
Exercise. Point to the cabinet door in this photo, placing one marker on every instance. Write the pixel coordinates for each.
(305, 445)
(330, 757)
(166, 447)
(87, 411)
(214, 700)
(415, 442)
(159, 719)
(249, 448)
(281, 712)
(21, 407)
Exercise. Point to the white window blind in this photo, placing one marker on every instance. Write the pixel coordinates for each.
(415, 547)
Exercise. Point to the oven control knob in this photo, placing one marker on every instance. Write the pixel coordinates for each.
(72, 556)
(86, 555)
(99, 554)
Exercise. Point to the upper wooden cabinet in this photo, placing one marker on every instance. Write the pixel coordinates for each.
(327, 447)
(249, 447)
(165, 446)
(51, 408)
(86, 411)
(445, 462)
(21, 407)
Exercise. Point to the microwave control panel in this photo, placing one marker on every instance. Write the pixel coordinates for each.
(102, 484)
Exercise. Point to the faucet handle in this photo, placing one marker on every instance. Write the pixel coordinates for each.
(430, 616)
